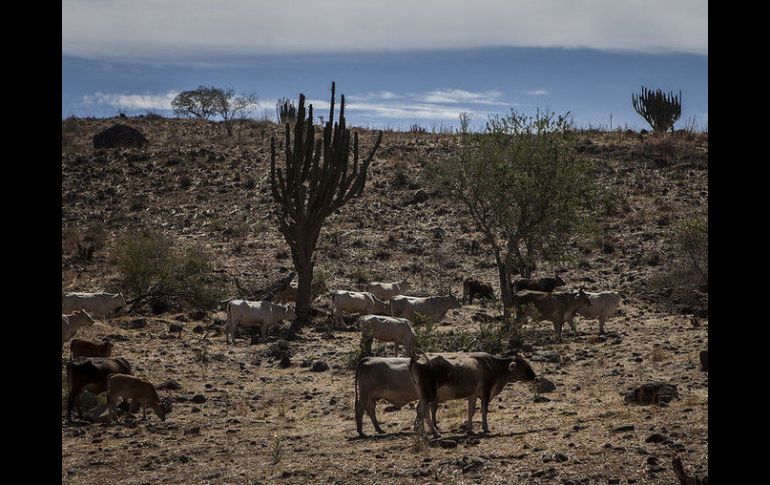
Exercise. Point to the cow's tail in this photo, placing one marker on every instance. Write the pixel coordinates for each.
(355, 380)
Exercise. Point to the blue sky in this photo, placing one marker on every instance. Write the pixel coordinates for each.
(135, 56)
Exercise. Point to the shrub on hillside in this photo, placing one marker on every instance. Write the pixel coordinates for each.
(152, 269)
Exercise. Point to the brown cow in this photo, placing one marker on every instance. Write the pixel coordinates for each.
(472, 288)
(556, 307)
(84, 348)
(472, 376)
(90, 374)
(537, 284)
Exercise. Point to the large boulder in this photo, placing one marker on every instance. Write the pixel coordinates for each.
(653, 393)
(117, 136)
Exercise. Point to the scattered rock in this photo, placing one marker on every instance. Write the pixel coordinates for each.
(622, 429)
(319, 366)
(445, 443)
(197, 315)
(541, 399)
(704, 360)
(137, 323)
(170, 385)
(656, 438)
(198, 329)
(119, 135)
(198, 399)
(652, 393)
(175, 327)
(543, 385)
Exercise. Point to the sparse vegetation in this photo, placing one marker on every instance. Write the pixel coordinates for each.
(688, 240)
(152, 268)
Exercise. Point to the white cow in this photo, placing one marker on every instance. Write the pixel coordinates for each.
(603, 305)
(97, 304)
(72, 322)
(386, 291)
(253, 313)
(356, 302)
(433, 307)
(387, 329)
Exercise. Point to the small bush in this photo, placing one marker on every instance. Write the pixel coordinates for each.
(151, 268)
(689, 251)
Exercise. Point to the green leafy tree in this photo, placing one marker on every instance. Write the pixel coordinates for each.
(523, 186)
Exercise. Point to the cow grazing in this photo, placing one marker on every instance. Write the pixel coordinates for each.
(537, 284)
(603, 306)
(72, 322)
(387, 329)
(473, 288)
(97, 304)
(289, 293)
(386, 291)
(432, 307)
(356, 302)
(138, 390)
(84, 348)
(455, 376)
(556, 307)
(90, 374)
(253, 313)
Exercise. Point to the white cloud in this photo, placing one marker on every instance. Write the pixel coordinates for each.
(195, 30)
(132, 101)
(462, 96)
(538, 92)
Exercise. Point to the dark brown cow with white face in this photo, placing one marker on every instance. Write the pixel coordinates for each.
(90, 374)
(472, 376)
(84, 348)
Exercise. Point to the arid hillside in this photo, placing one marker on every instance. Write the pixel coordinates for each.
(239, 417)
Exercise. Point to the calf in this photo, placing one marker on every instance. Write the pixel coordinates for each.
(138, 390)
(432, 307)
(72, 322)
(537, 284)
(603, 305)
(90, 374)
(253, 313)
(97, 304)
(472, 288)
(356, 302)
(387, 329)
(556, 307)
(84, 348)
(455, 376)
(386, 291)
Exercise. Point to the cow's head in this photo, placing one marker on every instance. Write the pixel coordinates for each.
(453, 301)
(290, 312)
(559, 281)
(582, 298)
(520, 369)
(83, 317)
(162, 408)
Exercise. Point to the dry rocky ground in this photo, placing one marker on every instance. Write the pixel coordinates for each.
(241, 418)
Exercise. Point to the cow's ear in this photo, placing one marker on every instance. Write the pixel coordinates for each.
(512, 365)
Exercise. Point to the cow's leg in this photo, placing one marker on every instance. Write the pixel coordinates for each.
(471, 411)
(601, 324)
(395, 349)
(424, 415)
(485, 398)
(144, 411)
(433, 411)
(370, 410)
(557, 325)
(111, 413)
(571, 321)
(71, 401)
(359, 418)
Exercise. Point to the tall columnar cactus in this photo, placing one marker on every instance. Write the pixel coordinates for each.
(285, 111)
(660, 110)
(316, 180)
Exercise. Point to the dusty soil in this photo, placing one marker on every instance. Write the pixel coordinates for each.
(263, 424)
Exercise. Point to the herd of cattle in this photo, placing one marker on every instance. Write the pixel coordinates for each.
(385, 314)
